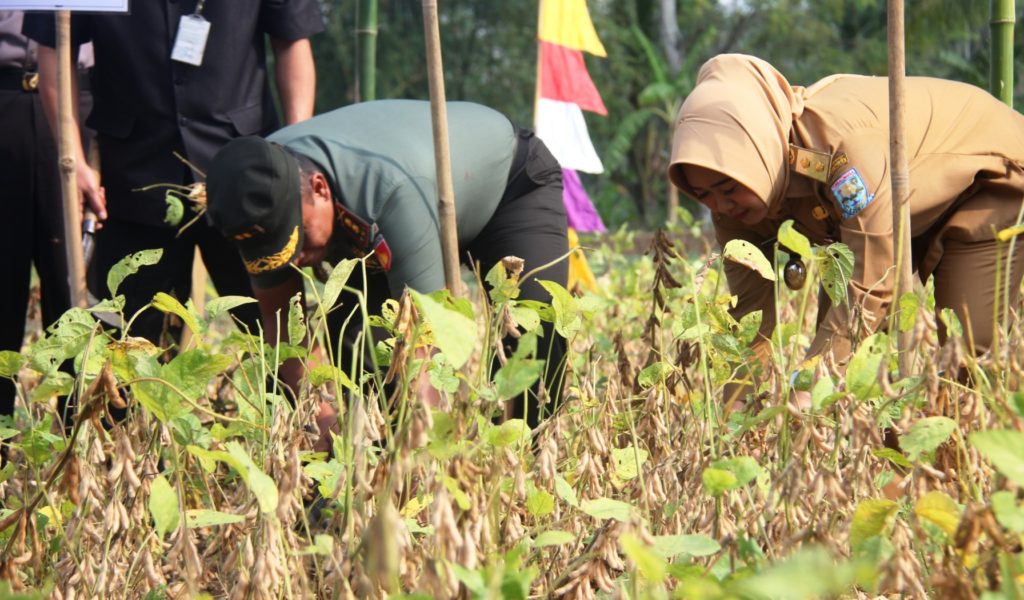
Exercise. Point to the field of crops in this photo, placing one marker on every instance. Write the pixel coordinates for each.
(643, 485)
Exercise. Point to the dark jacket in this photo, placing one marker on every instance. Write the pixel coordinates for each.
(147, 106)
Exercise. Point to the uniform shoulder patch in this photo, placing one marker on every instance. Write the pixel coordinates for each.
(851, 193)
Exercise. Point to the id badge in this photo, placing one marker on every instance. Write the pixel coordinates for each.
(190, 43)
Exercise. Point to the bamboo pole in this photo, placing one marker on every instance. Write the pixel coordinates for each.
(68, 163)
(442, 156)
(1001, 51)
(367, 33)
(900, 175)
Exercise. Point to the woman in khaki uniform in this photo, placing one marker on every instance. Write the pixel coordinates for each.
(757, 151)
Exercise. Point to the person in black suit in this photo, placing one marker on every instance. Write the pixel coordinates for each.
(147, 106)
(30, 197)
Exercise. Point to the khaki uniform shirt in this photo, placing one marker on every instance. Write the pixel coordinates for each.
(966, 157)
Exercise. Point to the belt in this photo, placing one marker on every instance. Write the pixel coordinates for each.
(18, 79)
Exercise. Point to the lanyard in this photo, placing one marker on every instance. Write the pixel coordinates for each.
(199, 8)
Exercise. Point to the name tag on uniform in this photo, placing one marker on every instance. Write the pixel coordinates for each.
(190, 43)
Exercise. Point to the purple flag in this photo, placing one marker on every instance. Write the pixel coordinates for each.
(579, 210)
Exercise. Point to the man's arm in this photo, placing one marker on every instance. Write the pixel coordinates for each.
(273, 304)
(274, 310)
(295, 78)
(88, 183)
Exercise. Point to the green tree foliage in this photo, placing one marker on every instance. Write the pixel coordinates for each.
(490, 56)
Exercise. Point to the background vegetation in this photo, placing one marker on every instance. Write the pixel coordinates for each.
(654, 50)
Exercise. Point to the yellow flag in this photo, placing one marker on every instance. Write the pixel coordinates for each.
(579, 271)
(567, 23)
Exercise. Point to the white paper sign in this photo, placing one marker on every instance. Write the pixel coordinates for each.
(73, 5)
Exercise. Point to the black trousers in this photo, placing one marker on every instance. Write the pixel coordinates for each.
(529, 222)
(32, 228)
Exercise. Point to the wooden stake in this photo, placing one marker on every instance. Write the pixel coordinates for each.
(442, 156)
(68, 166)
(900, 176)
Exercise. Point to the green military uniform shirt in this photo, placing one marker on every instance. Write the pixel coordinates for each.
(379, 160)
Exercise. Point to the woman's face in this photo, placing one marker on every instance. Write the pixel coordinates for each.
(725, 196)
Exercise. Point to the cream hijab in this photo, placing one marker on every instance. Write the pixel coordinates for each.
(737, 121)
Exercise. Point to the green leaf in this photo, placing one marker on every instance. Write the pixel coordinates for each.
(1005, 449)
(750, 256)
(893, 456)
(823, 393)
(744, 468)
(670, 546)
(321, 374)
(327, 475)
(296, 321)
(322, 545)
(653, 374)
(565, 491)
(454, 333)
(442, 375)
(939, 509)
(540, 503)
(261, 485)
(925, 436)
(472, 579)
(628, 461)
(952, 322)
(525, 317)
(188, 430)
(554, 537)
(57, 383)
(10, 363)
(175, 209)
(862, 372)
(910, 303)
(606, 508)
(810, 573)
(503, 288)
(336, 282)
(836, 270)
(794, 240)
(192, 371)
(718, 481)
(169, 304)
(1008, 512)
(567, 314)
(162, 402)
(130, 265)
(871, 518)
(216, 306)
(453, 487)
(163, 506)
(517, 376)
(209, 518)
(508, 433)
(651, 566)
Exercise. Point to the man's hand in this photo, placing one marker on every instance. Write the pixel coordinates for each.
(92, 195)
(326, 422)
(425, 391)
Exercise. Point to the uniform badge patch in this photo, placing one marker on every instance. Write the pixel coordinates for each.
(851, 193)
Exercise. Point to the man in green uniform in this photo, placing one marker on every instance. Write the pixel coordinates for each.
(361, 181)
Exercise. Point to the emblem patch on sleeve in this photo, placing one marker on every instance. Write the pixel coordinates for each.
(851, 193)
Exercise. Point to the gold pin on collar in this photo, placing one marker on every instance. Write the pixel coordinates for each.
(810, 163)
